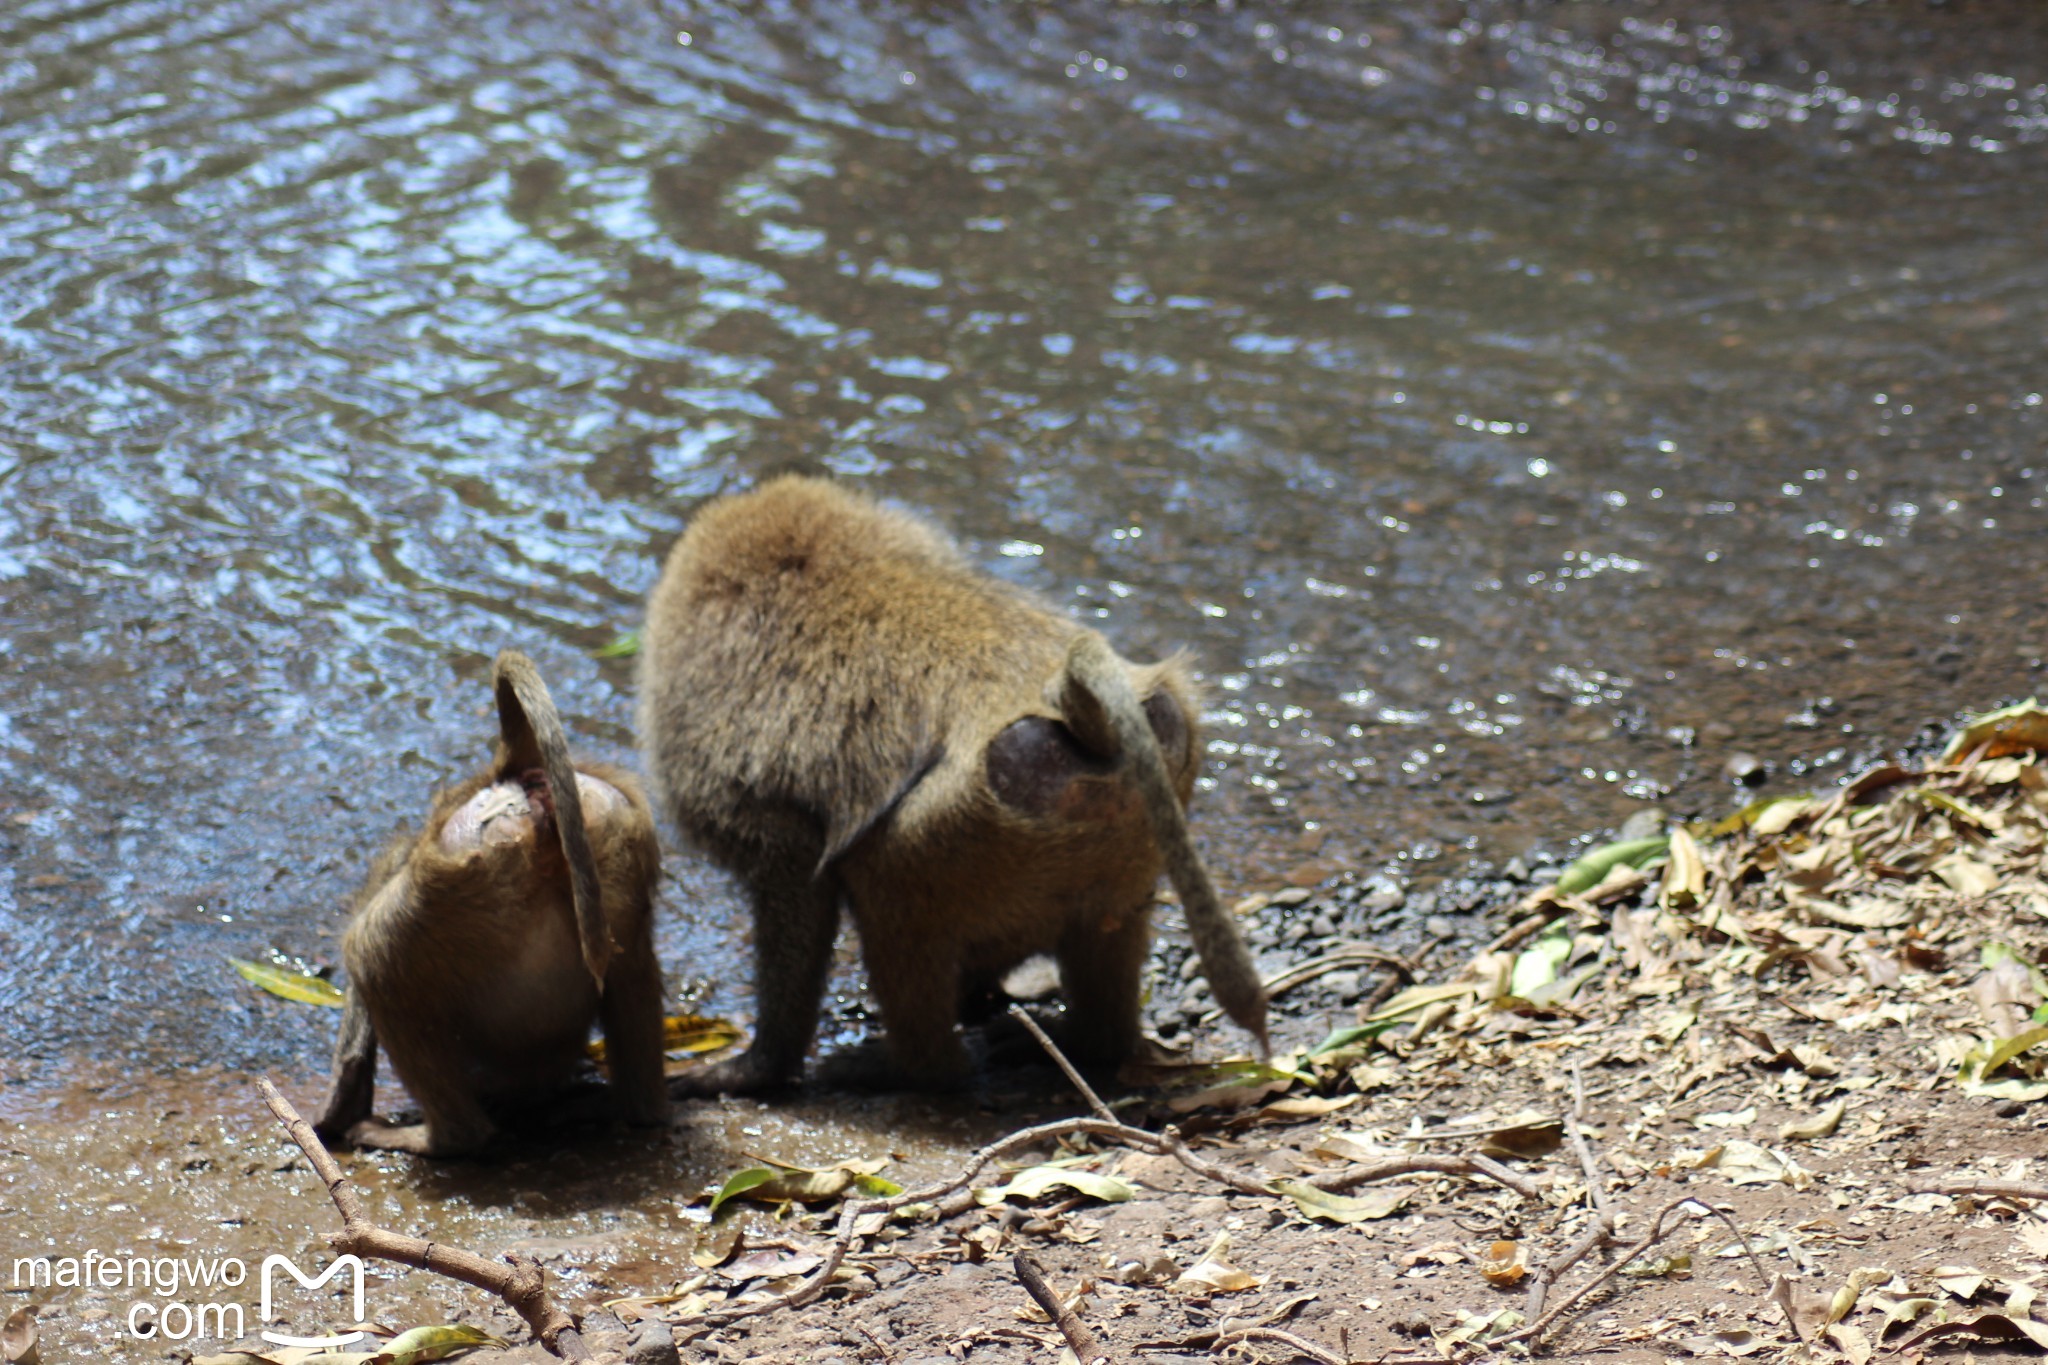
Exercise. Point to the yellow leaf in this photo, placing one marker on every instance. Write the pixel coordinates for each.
(781, 1184)
(290, 985)
(1504, 1263)
(2010, 730)
(1819, 1126)
(2013, 1047)
(694, 1034)
(423, 1344)
(1036, 1180)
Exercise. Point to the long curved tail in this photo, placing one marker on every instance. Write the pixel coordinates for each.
(533, 736)
(1104, 710)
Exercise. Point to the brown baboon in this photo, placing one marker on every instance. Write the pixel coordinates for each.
(482, 948)
(835, 705)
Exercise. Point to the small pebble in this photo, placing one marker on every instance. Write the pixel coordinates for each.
(1746, 769)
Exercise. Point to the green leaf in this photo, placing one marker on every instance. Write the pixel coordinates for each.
(1538, 965)
(1589, 871)
(422, 1344)
(1342, 1208)
(1036, 1180)
(1962, 810)
(1343, 1038)
(625, 647)
(2013, 1047)
(1778, 808)
(799, 1184)
(290, 985)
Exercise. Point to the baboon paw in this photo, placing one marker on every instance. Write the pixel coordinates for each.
(747, 1074)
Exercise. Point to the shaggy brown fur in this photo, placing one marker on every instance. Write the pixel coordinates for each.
(482, 948)
(835, 705)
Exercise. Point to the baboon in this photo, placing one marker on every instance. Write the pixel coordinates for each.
(835, 705)
(481, 949)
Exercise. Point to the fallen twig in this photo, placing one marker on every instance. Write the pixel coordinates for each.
(1087, 1349)
(1300, 1345)
(1348, 955)
(1999, 1189)
(1581, 1248)
(1483, 1167)
(888, 1352)
(1604, 1213)
(1755, 1263)
(519, 1282)
(1525, 929)
(1102, 1111)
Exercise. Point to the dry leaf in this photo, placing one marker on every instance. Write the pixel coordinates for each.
(18, 1336)
(1214, 1274)
(1504, 1263)
(1993, 1326)
(1736, 1342)
(1963, 1281)
(1820, 1125)
(1745, 1163)
(1852, 1342)
(1685, 876)
(1340, 1208)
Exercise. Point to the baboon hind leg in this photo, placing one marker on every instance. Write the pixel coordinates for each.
(354, 1087)
(1100, 975)
(455, 1121)
(630, 1011)
(918, 988)
(796, 917)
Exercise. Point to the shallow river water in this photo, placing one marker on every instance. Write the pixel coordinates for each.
(1517, 411)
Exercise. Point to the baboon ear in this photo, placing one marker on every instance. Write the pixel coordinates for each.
(1086, 717)
(1169, 725)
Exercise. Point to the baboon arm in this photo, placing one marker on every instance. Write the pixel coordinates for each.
(850, 825)
(354, 1086)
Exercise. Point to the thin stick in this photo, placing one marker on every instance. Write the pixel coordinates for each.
(1416, 1163)
(880, 1345)
(1596, 1186)
(521, 1284)
(1604, 1216)
(1546, 1275)
(1300, 1345)
(1998, 1189)
(1525, 929)
(1102, 1111)
(1648, 1239)
(1087, 1349)
(1756, 1264)
(1349, 955)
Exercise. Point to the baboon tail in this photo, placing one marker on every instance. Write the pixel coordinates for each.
(1106, 716)
(533, 733)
